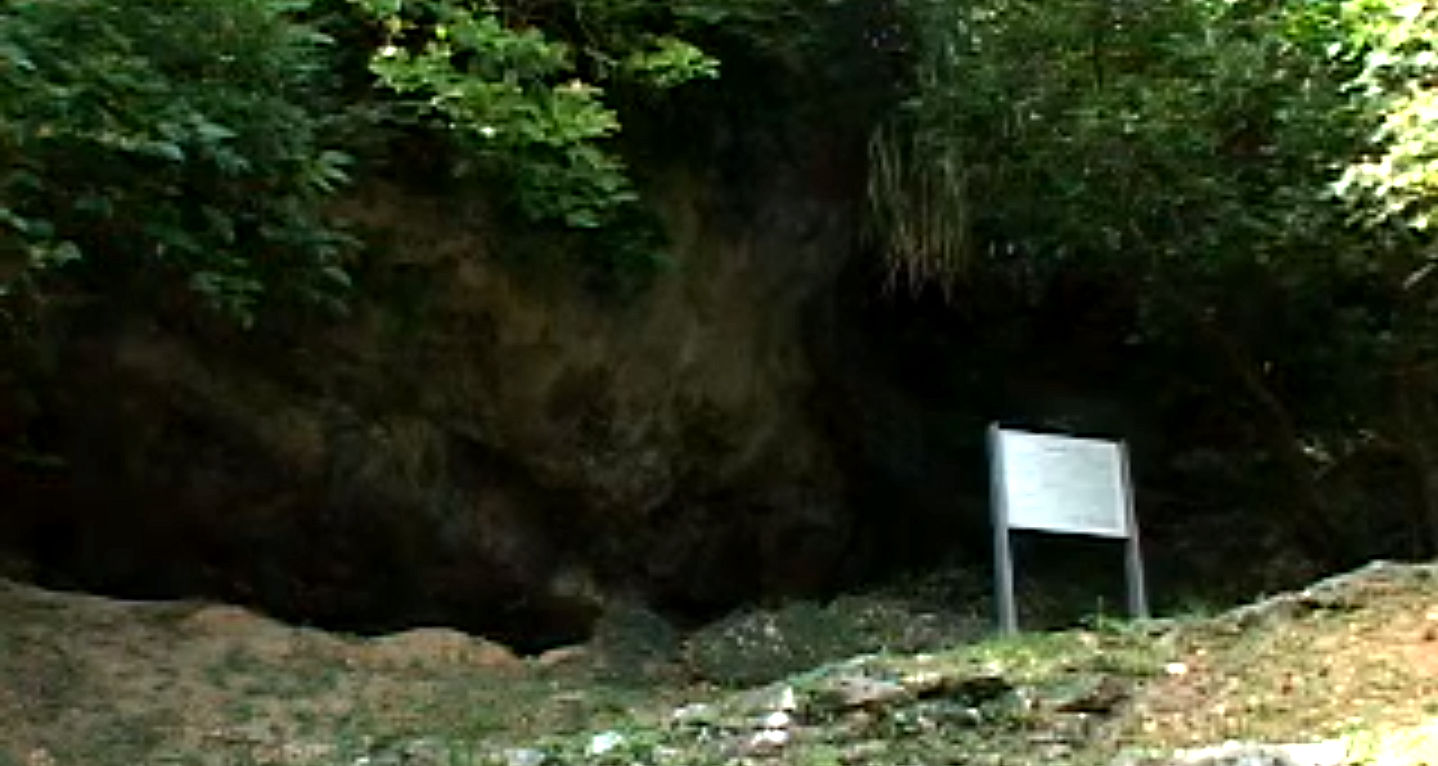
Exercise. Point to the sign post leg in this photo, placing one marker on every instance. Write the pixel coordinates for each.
(1133, 556)
(1137, 592)
(1004, 585)
(1003, 554)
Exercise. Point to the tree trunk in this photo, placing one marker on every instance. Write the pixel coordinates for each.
(1418, 453)
(1314, 526)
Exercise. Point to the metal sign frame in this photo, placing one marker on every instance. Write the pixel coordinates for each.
(1003, 551)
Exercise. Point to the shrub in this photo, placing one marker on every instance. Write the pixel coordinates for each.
(153, 144)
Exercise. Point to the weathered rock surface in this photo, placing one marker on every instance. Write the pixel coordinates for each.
(498, 450)
(1330, 753)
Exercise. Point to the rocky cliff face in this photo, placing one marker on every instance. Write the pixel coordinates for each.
(502, 453)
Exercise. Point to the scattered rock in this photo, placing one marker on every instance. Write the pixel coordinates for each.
(572, 709)
(431, 646)
(694, 714)
(765, 700)
(865, 752)
(849, 692)
(778, 720)
(957, 714)
(1092, 695)
(306, 752)
(926, 682)
(858, 721)
(416, 752)
(604, 742)
(768, 741)
(1339, 592)
(523, 756)
(977, 690)
(1329, 753)
(425, 752)
(563, 656)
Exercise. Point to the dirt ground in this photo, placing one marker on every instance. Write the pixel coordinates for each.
(88, 680)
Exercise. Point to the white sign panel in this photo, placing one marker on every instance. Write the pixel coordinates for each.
(1063, 484)
(1060, 484)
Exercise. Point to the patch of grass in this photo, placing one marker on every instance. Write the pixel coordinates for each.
(299, 682)
(239, 661)
(48, 678)
(300, 676)
(241, 709)
(218, 676)
(470, 706)
(1037, 656)
(122, 740)
(306, 723)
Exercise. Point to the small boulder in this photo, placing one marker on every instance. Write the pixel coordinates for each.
(1329, 753)
(851, 692)
(427, 647)
(1101, 695)
(523, 756)
(604, 742)
(563, 657)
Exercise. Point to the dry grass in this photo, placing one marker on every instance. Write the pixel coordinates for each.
(1365, 662)
(921, 213)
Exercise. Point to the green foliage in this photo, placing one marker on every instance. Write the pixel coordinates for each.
(1396, 44)
(155, 144)
(1165, 130)
(527, 106)
(1185, 154)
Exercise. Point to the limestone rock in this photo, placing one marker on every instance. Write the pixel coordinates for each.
(850, 692)
(523, 756)
(1090, 695)
(470, 433)
(434, 646)
(1329, 753)
(563, 656)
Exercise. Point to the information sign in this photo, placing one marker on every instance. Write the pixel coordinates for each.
(1062, 484)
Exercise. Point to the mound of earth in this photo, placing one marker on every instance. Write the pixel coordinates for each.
(1344, 672)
